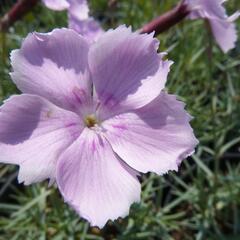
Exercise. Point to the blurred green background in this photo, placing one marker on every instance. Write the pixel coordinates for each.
(202, 200)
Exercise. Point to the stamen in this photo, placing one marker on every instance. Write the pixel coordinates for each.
(90, 121)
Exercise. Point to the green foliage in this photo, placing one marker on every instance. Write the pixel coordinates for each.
(202, 200)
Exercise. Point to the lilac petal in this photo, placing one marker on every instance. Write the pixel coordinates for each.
(125, 66)
(57, 5)
(33, 133)
(223, 28)
(95, 182)
(53, 66)
(79, 9)
(225, 34)
(89, 28)
(155, 138)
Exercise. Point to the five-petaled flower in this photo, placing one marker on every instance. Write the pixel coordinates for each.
(222, 26)
(93, 117)
(78, 15)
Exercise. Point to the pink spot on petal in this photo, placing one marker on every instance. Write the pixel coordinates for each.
(93, 146)
(119, 126)
(70, 125)
(79, 94)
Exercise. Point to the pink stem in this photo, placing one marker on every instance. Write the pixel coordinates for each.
(159, 25)
(167, 20)
(16, 12)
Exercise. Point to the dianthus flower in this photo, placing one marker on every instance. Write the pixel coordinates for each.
(79, 19)
(222, 26)
(92, 118)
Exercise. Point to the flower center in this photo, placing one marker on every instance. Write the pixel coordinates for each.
(90, 120)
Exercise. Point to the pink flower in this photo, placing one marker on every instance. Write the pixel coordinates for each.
(223, 28)
(78, 14)
(92, 117)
